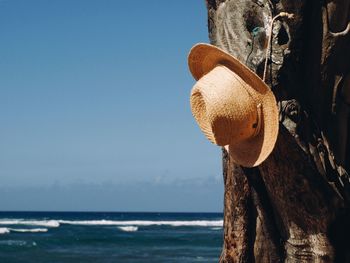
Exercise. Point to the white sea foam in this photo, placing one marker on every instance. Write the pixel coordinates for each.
(128, 228)
(4, 230)
(30, 230)
(203, 223)
(44, 223)
(56, 223)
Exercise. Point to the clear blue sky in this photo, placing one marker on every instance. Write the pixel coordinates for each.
(94, 107)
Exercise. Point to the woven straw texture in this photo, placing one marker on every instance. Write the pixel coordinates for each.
(232, 105)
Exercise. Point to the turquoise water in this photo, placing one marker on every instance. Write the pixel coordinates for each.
(110, 237)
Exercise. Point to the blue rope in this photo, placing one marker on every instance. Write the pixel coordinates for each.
(254, 33)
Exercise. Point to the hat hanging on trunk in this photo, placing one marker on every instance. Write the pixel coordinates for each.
(232, 105)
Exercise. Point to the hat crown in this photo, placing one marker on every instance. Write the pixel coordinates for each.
(252, 129)
(224, 107)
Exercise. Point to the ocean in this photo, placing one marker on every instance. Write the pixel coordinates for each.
(64, 237)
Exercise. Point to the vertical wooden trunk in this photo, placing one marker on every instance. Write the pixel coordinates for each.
(295, 206)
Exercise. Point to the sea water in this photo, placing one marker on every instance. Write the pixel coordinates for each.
(109, 237)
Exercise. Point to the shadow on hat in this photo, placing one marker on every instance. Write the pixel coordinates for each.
(232, 105)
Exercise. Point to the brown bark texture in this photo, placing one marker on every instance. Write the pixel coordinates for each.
(295, 206)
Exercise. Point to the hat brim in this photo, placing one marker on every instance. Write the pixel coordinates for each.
(251, 152)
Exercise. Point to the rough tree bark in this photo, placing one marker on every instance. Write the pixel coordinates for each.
(295, 206)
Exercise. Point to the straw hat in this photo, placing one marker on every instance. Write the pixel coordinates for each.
(232, 105)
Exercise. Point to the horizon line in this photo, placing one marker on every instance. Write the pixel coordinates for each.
(84, 211)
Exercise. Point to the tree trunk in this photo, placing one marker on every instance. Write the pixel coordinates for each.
(295, 206)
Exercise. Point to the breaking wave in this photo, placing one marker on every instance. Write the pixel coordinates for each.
(4, 230)
(128, 228)
(57, 223)
(30, 230)
(44, 223)
(203, 223)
